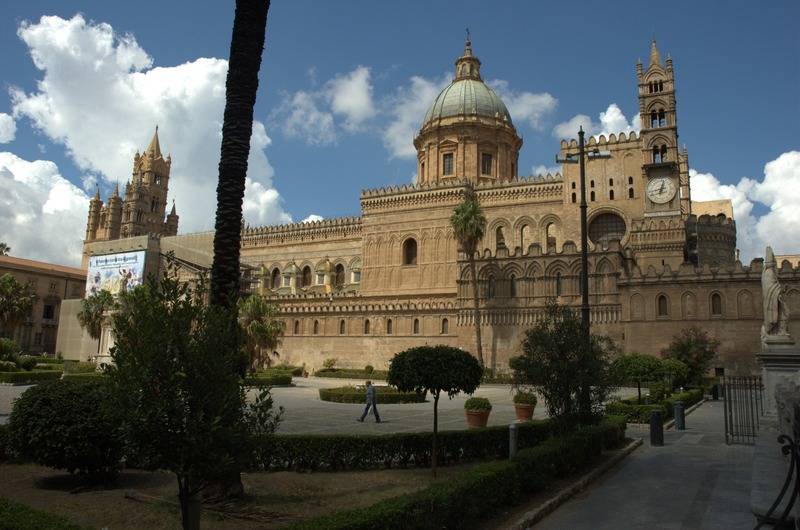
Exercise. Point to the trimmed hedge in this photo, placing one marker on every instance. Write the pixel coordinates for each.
(49, 366)
(483, 491)
(20, 517)
(93, 376)
(384, 395)
(261, 379)
(337, 452)
(48, 360)
(29, 378)
(640, 413)
(354, 373)
(79, 367)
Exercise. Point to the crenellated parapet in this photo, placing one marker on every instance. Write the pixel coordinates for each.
(601, 141)
(688, 272)
(326, 229)
(711, 239)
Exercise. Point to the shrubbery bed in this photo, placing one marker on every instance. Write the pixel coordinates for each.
(485, 489)
(29, 378)
(337, 452)
(21, 517)
(260, 379)
(352, 373)
(89, 376)
(384, 395)
(640, 413)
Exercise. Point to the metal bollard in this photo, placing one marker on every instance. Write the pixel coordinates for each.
(680, 416)
(512, 440)
(715, 392)
(656, 429)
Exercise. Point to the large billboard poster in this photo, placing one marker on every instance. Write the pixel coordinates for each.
(115, 272)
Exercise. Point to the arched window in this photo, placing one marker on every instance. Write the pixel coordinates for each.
(500, 239)
(611, 194)
(445, 326)
(341, 327)
(610, 182)
(653, 119)
(574, 197)
(316, 327)
(296, 330)
(389, 326)
(573, 185)
(662, 303)
(559, 284)
(659, 154)
(512, 286)
(275, 278)
(525, 237)
(366, 327)
(490, 287)
(662, 118)
(550, 234)
(591, 184)
(591, 196)
(630, 193)
(306, 278)
(716, 305)
(416, 326)
(338, 276)
(630, 181)
(410, 251)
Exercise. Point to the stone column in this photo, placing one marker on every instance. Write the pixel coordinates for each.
(780, 365)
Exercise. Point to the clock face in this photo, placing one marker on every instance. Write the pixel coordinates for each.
(661, 190)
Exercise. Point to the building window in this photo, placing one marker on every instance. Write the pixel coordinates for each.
(630, 193)
(573, 185)
(512, 286)
(320, 278)
(275, 278)
(389, 327)
(491, 287)
(416, 326)
(422, 171)
(559, 284)
(591, 196)
(445, 326)
(662, 309)
(366, 327)
(610, 182)
(500, 240)
(716, 305)
(447, 164)
(653, 119)
(605, 227)
(591, 184)
(341, 327)
(611, 194)
(486, 164)
(550, 234)
(53, 287)
(356, 277)
(659, 154)
(287, 280)
(662, 118)
(574, 197)
(410, 251)
(296, 327)
(306, 281)
(316, 327)
(630, 181)
(339, 276)
(49, 312)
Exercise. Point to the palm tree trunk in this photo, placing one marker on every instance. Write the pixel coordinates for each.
(247, 44)
(476, 310)
(241, 86)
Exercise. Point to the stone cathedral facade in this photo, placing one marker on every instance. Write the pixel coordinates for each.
(363, 288)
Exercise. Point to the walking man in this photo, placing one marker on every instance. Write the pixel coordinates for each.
(372, 401)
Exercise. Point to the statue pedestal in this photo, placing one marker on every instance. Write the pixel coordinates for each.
(780, 364)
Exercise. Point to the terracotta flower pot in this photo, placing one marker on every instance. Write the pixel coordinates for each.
(477, 418)
(524, 411)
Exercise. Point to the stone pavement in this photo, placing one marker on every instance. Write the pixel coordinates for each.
(694, 482)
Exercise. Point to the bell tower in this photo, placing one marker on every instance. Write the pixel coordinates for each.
(145, 201)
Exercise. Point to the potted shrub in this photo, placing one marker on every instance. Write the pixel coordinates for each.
(477, 410)
(524, 404)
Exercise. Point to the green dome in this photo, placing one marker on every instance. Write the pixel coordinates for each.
(467, 97)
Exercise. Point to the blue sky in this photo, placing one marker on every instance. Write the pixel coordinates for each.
(342, 82)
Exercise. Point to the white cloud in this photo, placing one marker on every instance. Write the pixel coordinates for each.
(313, 218)
(101, 98)
(407, 107)
(350, 96)
(303, 119)
(526, 107)
(541, 169)
(8, 128)
(612, 120)
(779, 191)
(42, 214)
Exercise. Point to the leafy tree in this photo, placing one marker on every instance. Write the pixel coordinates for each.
(674, 371)
(262, 330)
(176, 384)
(694, 348)
(4, 249)
(9, 350)
(637, 367)
(16, 303)
(90, 316)
(68, 425)
(435, 369)
(556, 362)
(469, 227)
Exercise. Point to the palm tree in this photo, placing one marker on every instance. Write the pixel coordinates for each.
(262, 330)
(16, 303)
(469, 226)
(90, 316)
(247, 43)
(4, 249)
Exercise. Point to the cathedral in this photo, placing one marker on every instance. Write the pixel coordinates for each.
(360, 289)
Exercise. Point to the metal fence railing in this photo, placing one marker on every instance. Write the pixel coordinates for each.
(744, 406)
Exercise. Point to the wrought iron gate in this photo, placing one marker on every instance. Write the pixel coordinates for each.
(744, 406)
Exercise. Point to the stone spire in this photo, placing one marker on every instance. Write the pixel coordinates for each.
(468, 66)
(655, 57)
(154, 148)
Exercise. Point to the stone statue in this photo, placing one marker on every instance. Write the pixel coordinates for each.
(776, 314)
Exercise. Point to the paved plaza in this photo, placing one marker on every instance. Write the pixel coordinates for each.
(694, 482)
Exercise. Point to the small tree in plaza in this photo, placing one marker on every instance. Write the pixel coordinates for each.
(90, 316)
(637, 367)
(435, 369)
(556, 362)
(262, 330)
(674, 372)
(694, 348)
(16, 304)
